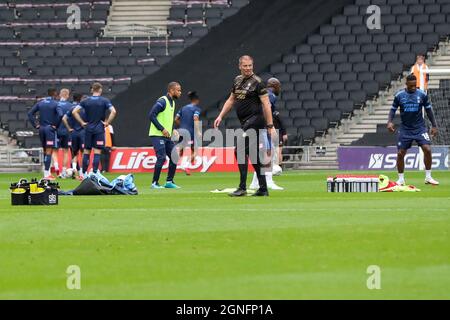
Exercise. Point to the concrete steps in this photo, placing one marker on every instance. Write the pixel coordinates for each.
(319, 166)
(6, 145)
(150, 16)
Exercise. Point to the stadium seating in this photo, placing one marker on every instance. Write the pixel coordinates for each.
(440, 98)
(192, 21)
(325, 78)
(37, 50)
(342, 65)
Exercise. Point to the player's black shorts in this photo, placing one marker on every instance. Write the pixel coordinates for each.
(48, 137)
(406, 138)
(94, 140)
(64, 141)
(256, 122)
(185, 142)
(77, 140)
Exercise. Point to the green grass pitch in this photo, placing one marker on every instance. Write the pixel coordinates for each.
(190, 244)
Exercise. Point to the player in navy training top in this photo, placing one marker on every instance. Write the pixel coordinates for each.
(274, 90)
(411, 102)
(95, 108)
(77, 133)
(63, 134)
(187, 120)
(50, 115)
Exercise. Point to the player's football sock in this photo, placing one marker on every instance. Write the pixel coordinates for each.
(47, 163)
(255, 184)
(158, 167)
(428, 174)
(85, 162)
(96, 163)
(269, 178)
(75, 166)
(46, 173)
(261, 178)
(401, 178)
(172, 170)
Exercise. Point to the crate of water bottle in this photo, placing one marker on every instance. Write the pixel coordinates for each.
(352, 183)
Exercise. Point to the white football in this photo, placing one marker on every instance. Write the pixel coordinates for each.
(277, 170)
(69, 173)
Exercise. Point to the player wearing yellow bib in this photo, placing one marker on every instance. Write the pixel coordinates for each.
(161, 128)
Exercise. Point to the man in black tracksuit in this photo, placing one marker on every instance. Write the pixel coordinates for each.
(249, 97)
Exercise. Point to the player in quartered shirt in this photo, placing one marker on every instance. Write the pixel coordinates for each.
(188, 123)
(411, 102)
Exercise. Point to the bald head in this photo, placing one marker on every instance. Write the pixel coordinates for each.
(174, 90)
(275, 85)
(64, 94)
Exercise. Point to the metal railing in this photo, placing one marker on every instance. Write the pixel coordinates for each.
(135, 30)
(17, 158)
(296, 155)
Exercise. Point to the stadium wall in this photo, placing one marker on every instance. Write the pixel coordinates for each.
(210, 65)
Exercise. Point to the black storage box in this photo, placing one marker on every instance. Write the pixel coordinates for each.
(20, 193)
(43, 192)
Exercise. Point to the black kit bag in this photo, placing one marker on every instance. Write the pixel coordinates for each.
(44, 193)
(20, 193)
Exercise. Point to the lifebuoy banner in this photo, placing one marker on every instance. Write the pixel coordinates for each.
(133, 160)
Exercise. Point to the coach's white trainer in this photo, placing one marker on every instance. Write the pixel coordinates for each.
(273, 186)
(254, 186)
(431, 181)
(255, 183)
